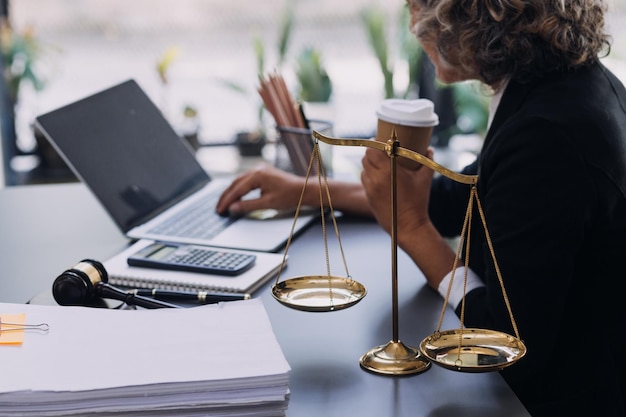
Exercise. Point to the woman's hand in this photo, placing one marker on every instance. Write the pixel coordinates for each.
(413, 190)
(416, 234)
(280, 190)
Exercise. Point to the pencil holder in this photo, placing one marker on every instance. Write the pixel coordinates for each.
(295, 145)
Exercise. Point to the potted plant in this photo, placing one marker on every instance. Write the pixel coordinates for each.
(315, 88)
(186, 123)
(375, 25)
(314, 83)
(20, 52)
(251, 142)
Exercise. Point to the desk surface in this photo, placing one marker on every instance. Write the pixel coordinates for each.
(47, 229)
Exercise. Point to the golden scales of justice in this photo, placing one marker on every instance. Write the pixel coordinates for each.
(462, 349)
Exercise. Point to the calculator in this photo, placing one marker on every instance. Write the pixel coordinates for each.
(192, 258)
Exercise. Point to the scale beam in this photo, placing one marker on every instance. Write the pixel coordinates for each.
(399, 151)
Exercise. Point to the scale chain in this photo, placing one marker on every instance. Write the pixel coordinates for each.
(465, 239)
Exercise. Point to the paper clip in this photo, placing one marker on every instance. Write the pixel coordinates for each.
(14, 327)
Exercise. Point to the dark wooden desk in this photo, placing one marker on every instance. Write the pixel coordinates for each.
(46, 229)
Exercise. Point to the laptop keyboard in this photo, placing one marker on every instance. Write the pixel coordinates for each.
(199, 220)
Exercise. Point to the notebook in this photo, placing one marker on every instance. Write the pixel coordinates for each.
(120, 273)
(120, 145)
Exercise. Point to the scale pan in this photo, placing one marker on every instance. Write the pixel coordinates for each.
(481, 350)
(318, 293)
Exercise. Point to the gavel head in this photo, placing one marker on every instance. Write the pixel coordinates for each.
(77, 285)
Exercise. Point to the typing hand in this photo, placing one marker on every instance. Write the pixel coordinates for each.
(278, 190)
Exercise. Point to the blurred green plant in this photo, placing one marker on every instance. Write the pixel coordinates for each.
(284, 37)
(165, 62)
(472, 107)
(314, 83)
(411, 51)
(374, 21)
(470, 104)
(258, 46)
(20, 52)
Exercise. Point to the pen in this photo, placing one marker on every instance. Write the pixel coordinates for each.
(200, 296)
(304, 119)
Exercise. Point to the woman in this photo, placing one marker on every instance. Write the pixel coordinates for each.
(552, 182)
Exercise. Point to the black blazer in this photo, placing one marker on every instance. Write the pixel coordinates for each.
(552, 182)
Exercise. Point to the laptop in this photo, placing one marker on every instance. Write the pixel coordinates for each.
(119, 144)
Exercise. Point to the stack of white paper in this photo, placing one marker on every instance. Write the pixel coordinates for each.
(221, 359)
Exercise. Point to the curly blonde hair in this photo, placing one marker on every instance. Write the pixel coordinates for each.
(520, 39)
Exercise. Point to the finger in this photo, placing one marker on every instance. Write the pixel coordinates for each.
(249, 204)
(376, 157)
(367, 169)
(425, 175)
(235, 191)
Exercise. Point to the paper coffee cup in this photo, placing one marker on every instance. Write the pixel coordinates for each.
(413, 122)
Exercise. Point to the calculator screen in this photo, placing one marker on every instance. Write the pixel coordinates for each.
(162, 253)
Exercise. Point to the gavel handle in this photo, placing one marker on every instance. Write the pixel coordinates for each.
(105, 290)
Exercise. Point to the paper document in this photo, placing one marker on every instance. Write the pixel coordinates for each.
(116, 361)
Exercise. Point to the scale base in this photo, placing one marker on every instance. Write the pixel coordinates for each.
(394, 358)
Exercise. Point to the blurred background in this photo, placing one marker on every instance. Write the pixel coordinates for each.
(199, 60)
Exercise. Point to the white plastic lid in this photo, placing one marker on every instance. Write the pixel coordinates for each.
(420, 112)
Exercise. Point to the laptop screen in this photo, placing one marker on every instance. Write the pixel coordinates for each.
(120, 145)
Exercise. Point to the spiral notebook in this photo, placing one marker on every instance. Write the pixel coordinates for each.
(120, 273)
